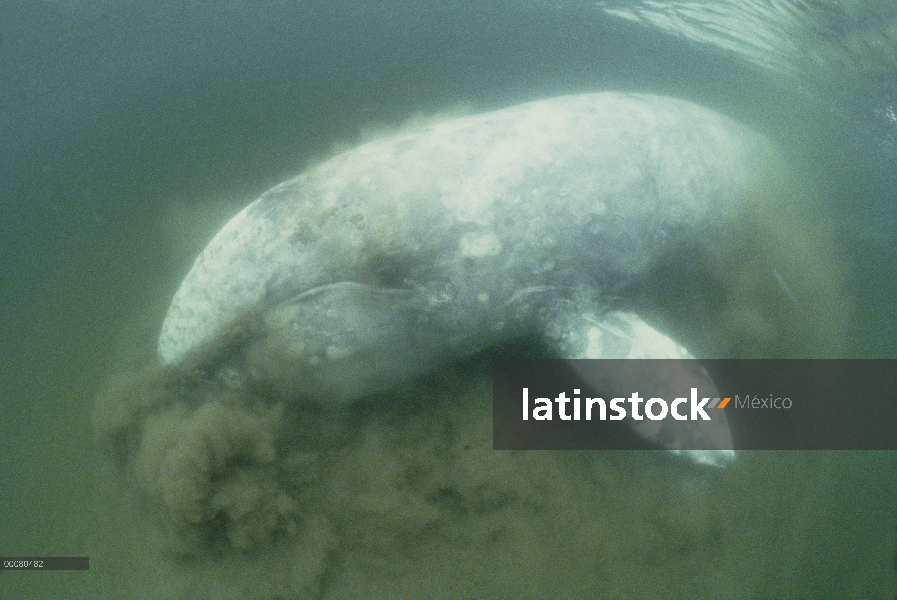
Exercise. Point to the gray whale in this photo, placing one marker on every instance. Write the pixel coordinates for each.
(425, 247)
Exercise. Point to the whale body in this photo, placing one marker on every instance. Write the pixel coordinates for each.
(426, 247)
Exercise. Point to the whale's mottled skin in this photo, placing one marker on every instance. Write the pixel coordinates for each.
(425, 247)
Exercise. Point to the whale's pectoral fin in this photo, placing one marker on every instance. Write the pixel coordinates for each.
(623, 335)
(342, 341)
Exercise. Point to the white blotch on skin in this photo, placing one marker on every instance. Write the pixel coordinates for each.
(477, 245)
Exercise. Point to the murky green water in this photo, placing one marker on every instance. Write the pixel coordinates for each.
(130, 132)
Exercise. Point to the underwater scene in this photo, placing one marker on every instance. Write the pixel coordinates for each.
(258, 258)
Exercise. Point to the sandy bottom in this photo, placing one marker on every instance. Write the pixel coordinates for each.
(403, 497)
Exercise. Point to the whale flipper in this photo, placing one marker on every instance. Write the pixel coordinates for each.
(624, 335)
